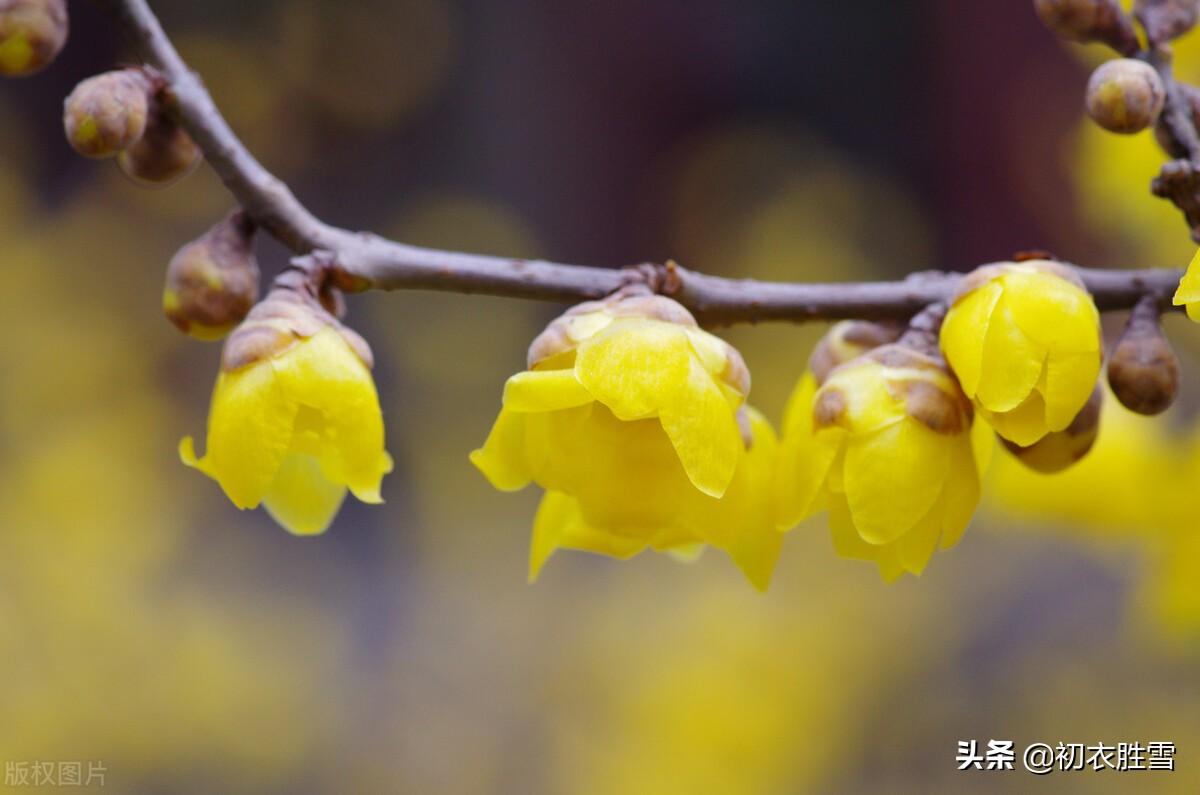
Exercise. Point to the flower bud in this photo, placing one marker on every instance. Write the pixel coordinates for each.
(1125, 96)
(1024, 340)
(1143, 370)
(32, 34)
(1058, 450)
(212, 282)
(847, 340)
(1089, 20)
(107, 113)
(164, 153)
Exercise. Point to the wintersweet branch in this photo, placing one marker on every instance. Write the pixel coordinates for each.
(359, 261)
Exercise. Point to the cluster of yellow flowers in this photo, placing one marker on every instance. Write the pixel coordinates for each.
(635, 422)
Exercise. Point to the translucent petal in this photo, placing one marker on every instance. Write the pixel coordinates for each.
(709, 349)
(635, 366)
(554, 513)
(746, 525)
(249, 431)
(301, 498)
(890, 567)
(502, 457)
(326, 375)
(704, 432)
(797, 412)
(893, 477)
(1055, 314)
(1070, 379)
(1012, 363)
(687, 553)
(804, 465)
(846, 540)
(964, 330)
(544, 390)
(1025, 424)
(916, 547)
(983, 444)
(961, 496)
(1189, 285)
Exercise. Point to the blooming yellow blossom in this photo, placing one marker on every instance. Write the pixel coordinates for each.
(1024, 341)
(295, 419)
(890, 447)
(628, 417)
(1188, 294)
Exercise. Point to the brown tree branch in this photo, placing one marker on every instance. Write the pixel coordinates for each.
(358, 261)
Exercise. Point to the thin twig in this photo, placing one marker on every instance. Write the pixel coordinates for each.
(358, 261)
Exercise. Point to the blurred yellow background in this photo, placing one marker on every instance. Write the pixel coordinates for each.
(146, 624)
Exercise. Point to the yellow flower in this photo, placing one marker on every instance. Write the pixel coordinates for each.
(1188, 293)
(1024, 340)
(295, 419)
(889, 446)
(628, 417)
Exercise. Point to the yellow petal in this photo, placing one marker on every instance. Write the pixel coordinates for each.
(983, 444)
(750, 536)
(893, 477)
(554, 513)
(249, 432)
(1189, 286)
(635, 366)
(301, 498)
(1055, 314)
(1012, 363)
(704, 432)
(916, 547)
(1070, 379)
(963, 333)
(1025, 424)
(961, 496)
(324, 374)
(544, 390)
(890, 567)
(797, 412)
(687, 553)
(804, 466)
(846, 541)
(502, 457)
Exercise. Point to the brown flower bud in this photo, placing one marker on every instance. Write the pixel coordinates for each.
(1125, 96)
(108, 112)
(1058, 450)
(32, 34)
(1143, 370)
(164, 153)
(1089, 20)
(212, 282)
(847, 340)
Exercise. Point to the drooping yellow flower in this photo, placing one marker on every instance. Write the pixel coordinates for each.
(1188, 294)
(628, 417)
(295, 419)
(1024, 340)
(890, 447)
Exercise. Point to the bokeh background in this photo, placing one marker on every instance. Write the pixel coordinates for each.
(147, 624)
